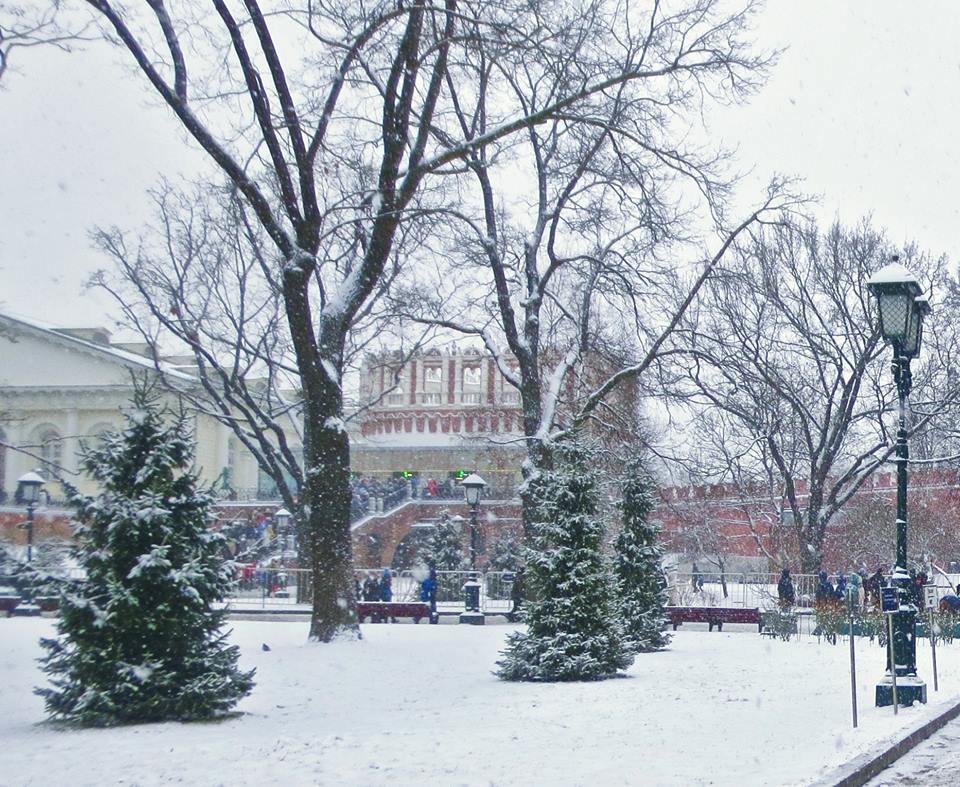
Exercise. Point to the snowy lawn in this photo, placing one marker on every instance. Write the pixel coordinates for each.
(417, 705)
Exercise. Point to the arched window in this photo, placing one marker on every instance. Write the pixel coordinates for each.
(49, 444)
(470, 389)
(432, 384)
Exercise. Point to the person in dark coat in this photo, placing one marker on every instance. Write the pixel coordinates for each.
(878, 582)
(785, 590)
(696, 579)
(825, 590)
(386, 586)
(841, 590)
(371, 590)
(517, 593)
(919, 581)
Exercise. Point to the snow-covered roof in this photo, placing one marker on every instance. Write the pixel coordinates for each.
(894, 273)
(58, 336)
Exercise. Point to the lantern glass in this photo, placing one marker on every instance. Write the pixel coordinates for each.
(472, 488)
(28, 487)
(911, 342)
(896, 309)
(914, 338)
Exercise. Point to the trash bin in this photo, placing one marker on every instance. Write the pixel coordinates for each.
(471, 600)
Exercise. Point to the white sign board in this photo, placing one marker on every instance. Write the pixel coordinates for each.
(930, 599)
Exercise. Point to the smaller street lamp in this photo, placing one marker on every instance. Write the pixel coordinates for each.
(282, 518)
(28, 491)
(473, 486)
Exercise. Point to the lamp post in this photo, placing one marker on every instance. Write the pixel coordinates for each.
(28, 491)
(473, 486)
(282, 518)
(902, 309)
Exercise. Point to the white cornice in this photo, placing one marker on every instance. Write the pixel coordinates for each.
(103, 352)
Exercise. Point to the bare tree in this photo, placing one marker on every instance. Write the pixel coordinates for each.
(581, 228)
(36, 24)
(329, 121)
(786, 356)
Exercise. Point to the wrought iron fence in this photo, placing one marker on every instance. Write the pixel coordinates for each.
(751, 589)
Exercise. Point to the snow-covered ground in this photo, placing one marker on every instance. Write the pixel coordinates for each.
(418, 705)
(936, 761)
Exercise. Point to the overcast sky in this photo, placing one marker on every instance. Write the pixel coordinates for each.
(861, 106)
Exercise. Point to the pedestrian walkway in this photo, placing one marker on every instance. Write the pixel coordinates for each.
(936, 761)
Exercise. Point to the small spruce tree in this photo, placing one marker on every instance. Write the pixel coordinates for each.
(637, 567)
(139, 640)
(444, 549)
(507, 553)
(573, 626)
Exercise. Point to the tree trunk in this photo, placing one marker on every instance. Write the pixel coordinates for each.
(810, 544)
(326, 506)
(539, 458)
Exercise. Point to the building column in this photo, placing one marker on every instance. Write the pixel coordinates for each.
(71, 441)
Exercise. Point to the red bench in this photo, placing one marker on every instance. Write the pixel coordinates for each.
(379, 611)
(713, 616)
(8, 604)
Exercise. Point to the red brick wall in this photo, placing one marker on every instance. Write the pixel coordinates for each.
(46, 525)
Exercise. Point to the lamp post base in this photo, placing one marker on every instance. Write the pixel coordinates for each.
(910, 689)
(473, 618)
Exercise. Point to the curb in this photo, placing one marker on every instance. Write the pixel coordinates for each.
(862, 769)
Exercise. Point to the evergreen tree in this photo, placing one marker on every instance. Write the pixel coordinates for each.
(573, 628)
(138, 639)
(444, 549)
(642, 588)
(507, 553)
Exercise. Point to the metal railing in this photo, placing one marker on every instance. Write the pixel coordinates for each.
(289, 588)
(750, 589)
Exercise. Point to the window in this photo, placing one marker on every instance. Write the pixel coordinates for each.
(470, 392)
(397, 396)
(432, 385)
(50, 445)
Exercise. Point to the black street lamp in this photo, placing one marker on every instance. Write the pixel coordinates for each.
(28, 491)
(902, 309)
(473, 486)
(282, 518)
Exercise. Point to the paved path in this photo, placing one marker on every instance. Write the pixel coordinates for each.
(934, 762)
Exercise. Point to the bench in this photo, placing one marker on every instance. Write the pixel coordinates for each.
(379, 611)
(713, 616)
(8, 604)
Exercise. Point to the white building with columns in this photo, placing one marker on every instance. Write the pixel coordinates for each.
(59, 387)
